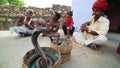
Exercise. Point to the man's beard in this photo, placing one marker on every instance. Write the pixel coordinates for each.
(97, 16)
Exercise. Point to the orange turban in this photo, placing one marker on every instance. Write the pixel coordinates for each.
(100, 4)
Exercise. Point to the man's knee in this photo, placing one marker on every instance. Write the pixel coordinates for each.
(103, 38)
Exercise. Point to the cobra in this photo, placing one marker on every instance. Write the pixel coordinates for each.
(42, 59)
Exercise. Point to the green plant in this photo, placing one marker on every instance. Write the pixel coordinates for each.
(12, 2)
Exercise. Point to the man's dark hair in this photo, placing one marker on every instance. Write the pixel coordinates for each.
(57, 15)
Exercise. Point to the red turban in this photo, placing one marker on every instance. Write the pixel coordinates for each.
(100, 4)
(101, 0)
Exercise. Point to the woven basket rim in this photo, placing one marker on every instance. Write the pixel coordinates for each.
(57, 51)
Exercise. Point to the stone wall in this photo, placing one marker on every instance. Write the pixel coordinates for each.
(9, 14)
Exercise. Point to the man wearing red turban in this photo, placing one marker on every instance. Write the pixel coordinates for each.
(93, 32)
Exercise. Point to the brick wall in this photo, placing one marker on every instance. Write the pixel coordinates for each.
(9, 14)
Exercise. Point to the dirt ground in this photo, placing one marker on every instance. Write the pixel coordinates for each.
(13, 48)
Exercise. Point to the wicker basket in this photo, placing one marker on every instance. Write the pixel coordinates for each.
(57, 64)
(65, 51)
(65, 57)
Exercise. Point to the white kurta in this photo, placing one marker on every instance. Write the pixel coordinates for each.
(101, 26)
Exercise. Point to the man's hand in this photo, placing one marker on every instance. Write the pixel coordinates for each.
(84, 28)
(19, 24)
(26, 25)
(67, 37)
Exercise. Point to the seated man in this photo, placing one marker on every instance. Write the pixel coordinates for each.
(25, 24)
(52, 25)
(95, 29)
